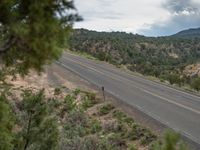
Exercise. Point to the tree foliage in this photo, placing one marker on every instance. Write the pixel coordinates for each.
(39, 127)
(32, 32)
(171, 141)
(6, 125)
(195, 84)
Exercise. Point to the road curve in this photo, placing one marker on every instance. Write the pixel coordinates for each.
(176, 109)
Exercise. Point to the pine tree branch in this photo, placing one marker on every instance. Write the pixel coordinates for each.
(8, 44)
(28, 132)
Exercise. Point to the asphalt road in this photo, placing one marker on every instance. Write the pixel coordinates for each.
(176, 109)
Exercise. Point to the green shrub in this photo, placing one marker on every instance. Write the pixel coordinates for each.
(87, 102)
(137, 132)
(69, 103)
(171, 141)
(195, 84)
(76, 92)
(54, 103)
(114, 127)
(148, 138)
(119, 115)
(70, 144)
(95, 126)
(57, 91)
(39, 125)
(6, 125)
(128, 120)
(91, 96)
(174, 79)
(105, 109)
(90, 143)
(76, 125)
(131, 135)
(104, 144)
(117, 141)
(122, 117)
(132, 147)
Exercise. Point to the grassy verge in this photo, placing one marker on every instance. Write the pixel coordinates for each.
(80, 53)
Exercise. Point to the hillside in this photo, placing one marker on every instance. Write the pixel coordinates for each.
(162, 57)
(190, 33)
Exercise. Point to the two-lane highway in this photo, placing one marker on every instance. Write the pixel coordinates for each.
(176, 109)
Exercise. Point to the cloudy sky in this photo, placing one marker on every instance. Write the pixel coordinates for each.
(147, 17)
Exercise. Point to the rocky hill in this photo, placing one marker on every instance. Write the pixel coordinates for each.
(192, 70)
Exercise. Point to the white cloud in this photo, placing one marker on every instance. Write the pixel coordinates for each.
(130, 15)
(184, 14)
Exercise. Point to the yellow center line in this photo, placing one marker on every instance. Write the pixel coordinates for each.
(161, 85)
(148, 92)
(173, 102)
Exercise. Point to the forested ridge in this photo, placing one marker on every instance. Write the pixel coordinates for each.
(190, 33)
(162, 57)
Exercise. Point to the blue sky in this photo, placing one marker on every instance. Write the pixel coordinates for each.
(147, 17)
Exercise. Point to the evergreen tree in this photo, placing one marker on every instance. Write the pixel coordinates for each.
(195, 84)
(171, 142)
(32, 32)
(6, 125)
(39, 125)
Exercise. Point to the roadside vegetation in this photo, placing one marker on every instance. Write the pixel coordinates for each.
(82, 53)
(79, 121)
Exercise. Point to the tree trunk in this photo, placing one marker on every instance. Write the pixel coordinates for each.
(27, 133)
